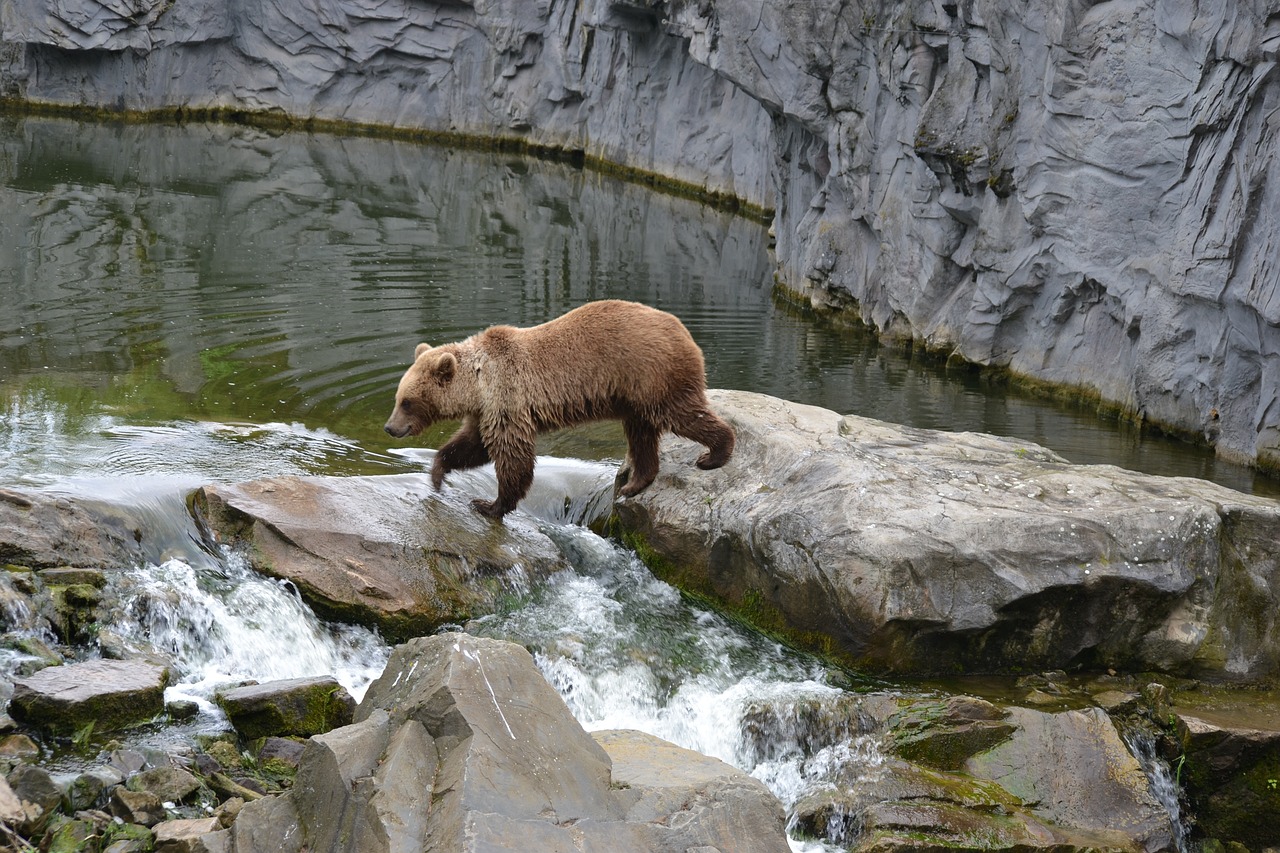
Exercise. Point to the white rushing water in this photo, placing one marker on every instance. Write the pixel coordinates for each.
(626, 650)
(224, 624)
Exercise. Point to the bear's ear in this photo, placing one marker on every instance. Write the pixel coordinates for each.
(443, 367)
(419, 350)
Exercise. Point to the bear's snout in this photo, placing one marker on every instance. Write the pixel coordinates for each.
(397, 430)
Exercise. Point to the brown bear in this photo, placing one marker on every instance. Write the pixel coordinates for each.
(604, 360)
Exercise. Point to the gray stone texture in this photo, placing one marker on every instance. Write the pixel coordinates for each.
(382, 551)
(1081, 193)
(462, 745)
(106, 694)
(918, 551)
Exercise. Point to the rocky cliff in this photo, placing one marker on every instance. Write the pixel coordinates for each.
(1081, 193)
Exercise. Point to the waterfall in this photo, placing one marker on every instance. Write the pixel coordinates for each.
(224, 624)
(1163, 779)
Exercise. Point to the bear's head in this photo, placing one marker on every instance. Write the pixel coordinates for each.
(426, 393)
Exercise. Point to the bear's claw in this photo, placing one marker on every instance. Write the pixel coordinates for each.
(489, 509)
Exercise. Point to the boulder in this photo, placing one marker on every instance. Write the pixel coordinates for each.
(1093, 784)
(915, 551)
(106, 694)
(381, 551)
(295, 706)
(677, 799)
(40, 531)
(474, 723)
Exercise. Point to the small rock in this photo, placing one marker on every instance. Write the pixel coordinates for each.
(19, 747)
(87, 788)
(184, 836)
(34, 785)
(169, 784)
(182, 709)
(140, 807)
(296, 706)
(280, 754)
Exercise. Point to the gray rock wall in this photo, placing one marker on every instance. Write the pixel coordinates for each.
(1080, 192)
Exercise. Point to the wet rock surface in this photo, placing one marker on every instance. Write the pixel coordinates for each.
(914, 551)
(298, 706)
(380, 551)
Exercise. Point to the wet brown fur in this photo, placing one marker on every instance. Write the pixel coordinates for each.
(605, 360)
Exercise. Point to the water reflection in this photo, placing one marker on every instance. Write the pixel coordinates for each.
(156, 277)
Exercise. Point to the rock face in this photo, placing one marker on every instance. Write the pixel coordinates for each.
(462, 745)
(912, 551)
(382, 551)
(1078, 193)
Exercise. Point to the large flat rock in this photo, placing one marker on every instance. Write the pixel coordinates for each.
(109, 694)
(382, 551)
(916, 551)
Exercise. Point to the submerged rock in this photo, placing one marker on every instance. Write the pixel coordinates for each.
(915, 551)
(104, 694)
(382, 551)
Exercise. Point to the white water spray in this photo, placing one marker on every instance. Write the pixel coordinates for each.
(224, 626)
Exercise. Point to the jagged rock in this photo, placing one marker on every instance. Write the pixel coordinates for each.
(38, 793)
(140, 807)
(184, 836)
(715, 802)
(1230, 765)
(295, 706)
(382, 551)
(106, 694)
(13, 811)
(915, 551)
(474, 722)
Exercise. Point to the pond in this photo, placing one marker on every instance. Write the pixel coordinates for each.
(220, 302)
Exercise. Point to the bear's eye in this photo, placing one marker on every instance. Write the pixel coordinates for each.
(404, 405)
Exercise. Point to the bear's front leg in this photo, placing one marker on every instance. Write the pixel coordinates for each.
(513, 460)
(465, 450)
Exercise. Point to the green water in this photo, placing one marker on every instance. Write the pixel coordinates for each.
(220, 303)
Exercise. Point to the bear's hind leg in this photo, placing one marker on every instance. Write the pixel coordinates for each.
(465, 450)
(706, 428)
(641, 465)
